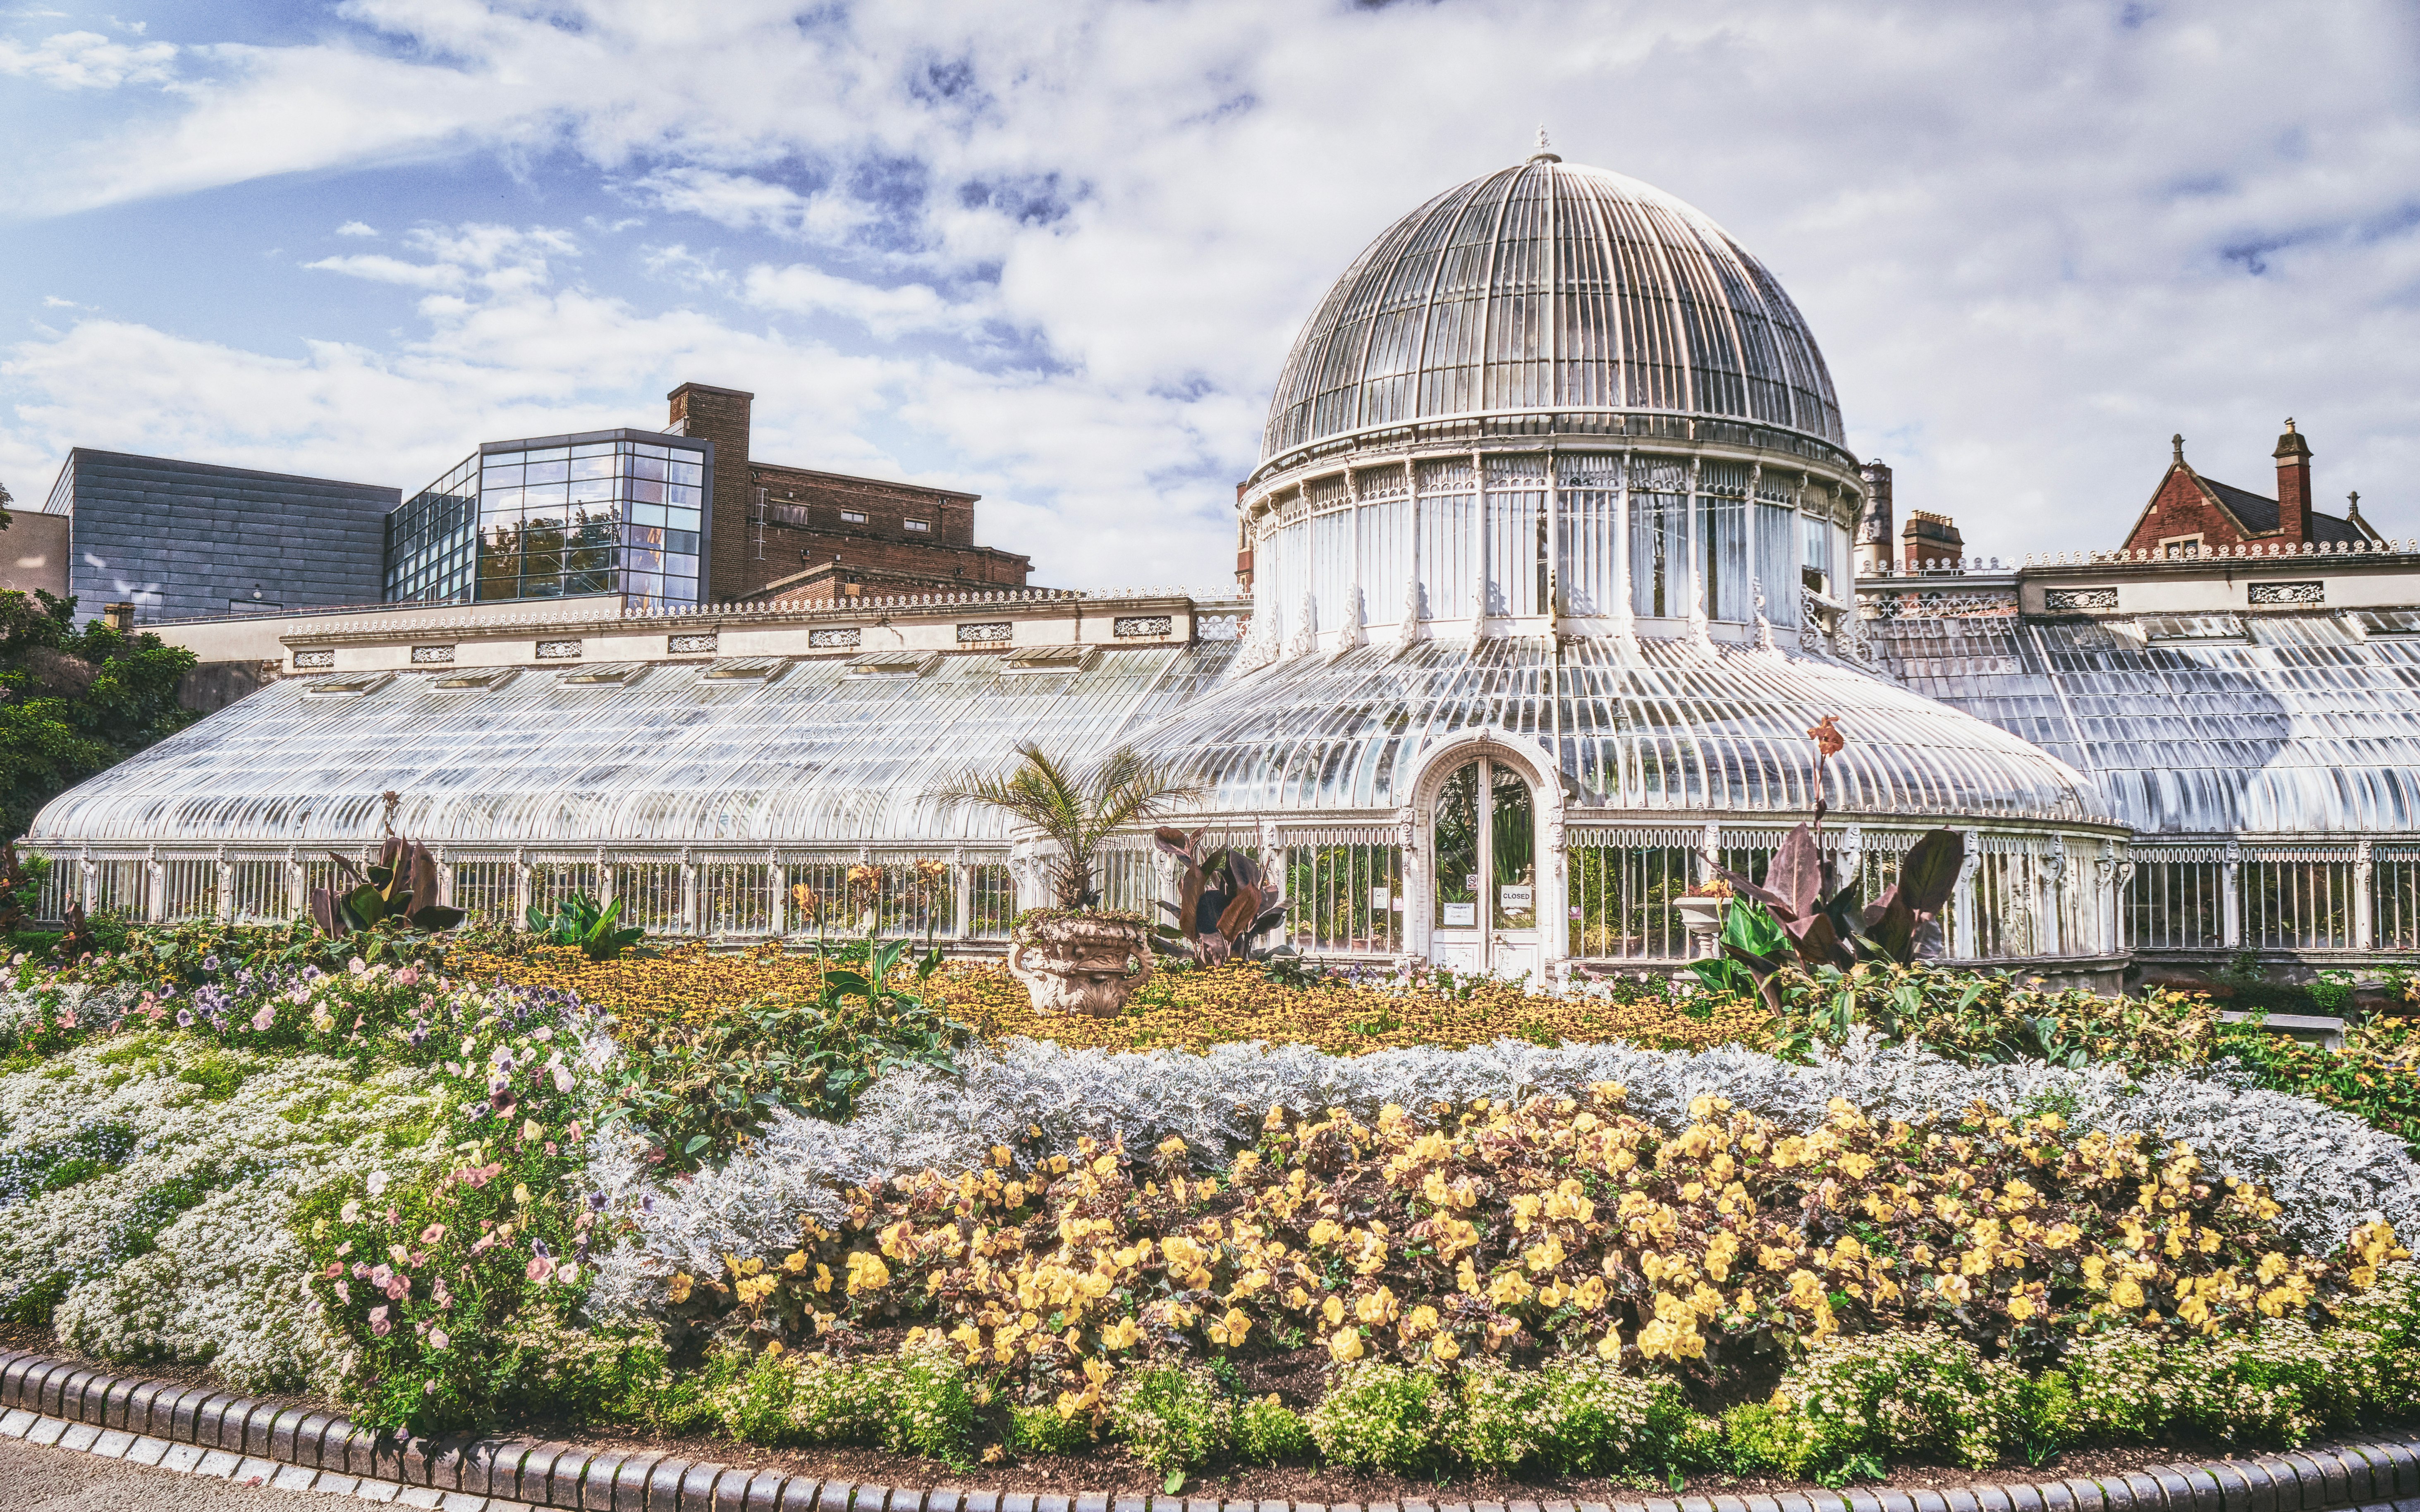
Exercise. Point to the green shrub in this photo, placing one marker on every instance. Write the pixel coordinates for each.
(1268, 1432)
(918, 1401)
(1175, 1416)
(1046, 1430)
(1768, 1439)
(1381, 1415)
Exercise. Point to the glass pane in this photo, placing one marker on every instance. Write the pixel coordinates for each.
(1457, 849)
(1512, 836)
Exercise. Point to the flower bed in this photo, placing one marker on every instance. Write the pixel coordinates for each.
(1388, 1240)
(690, 987)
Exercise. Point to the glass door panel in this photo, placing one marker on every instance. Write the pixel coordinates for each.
(1458, 822)
(1512, 839)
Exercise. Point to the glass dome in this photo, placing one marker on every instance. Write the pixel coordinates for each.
(1554, 289)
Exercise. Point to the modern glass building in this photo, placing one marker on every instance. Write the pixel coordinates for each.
(607, 511)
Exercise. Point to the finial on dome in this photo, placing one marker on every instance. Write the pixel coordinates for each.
(1545, 152)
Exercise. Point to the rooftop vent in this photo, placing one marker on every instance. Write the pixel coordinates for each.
(745, 669)
(616, 673)
(2194, 630)
(486, 677)
(353, 686)
(2385, 624)
(1049, 659)
(894, 663)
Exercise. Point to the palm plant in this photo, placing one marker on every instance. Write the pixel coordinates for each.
(1077, 810)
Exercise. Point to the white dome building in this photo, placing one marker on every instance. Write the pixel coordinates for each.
(1549, 547)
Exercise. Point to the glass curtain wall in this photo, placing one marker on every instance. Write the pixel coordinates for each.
(1516, 534)
(613, 515)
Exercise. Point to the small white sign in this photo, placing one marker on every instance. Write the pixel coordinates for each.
(1513, 900)
(1378, 898)
(1461, 916)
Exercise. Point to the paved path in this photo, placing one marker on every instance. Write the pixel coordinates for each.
(35, 1480)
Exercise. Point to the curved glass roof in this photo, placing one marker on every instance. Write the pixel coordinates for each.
(820, 752)
(1551, 286)
(1670, 726)
(827, 752)
(2196, 725)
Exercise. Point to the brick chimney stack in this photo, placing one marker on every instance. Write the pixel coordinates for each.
(2293, 456)
(721, 416)
(1928, 537)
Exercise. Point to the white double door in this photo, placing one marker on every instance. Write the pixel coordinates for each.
(1483, 836)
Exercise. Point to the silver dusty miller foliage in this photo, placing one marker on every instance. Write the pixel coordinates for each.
(2329, 1170)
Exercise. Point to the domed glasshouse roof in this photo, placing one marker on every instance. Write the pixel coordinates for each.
(1551, 287)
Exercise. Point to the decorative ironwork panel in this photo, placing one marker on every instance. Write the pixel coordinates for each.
(990, 634)
(432, 656)
(696, 645)
(305, 661)
(1127, 626)
(558, 651)
(2078, 600)
(2311, 591)
(836, 639)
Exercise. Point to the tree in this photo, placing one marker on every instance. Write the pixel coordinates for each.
(75, 700)
(1079, 810)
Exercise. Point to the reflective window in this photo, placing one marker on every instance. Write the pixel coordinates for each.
(544, 523)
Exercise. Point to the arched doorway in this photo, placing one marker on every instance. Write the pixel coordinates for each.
(1485, 837)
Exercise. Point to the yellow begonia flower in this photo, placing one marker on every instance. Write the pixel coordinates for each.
(1345, 1345)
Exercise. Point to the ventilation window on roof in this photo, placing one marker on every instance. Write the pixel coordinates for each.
(2194, 630)
(354, 685)
(613, 673)
(894, 663)
(2387, 624)
(484, 677)
(745, 669)
(1049, 659)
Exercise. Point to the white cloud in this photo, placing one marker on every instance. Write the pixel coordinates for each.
(2033, 241)
(676, 264)
(87, 60)
(357, 228)
(799, 289)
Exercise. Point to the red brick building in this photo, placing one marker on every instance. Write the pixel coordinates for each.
(2190, 513)
(791, 533)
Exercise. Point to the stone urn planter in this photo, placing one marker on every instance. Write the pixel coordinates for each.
(1081, 962)
(1702, 917)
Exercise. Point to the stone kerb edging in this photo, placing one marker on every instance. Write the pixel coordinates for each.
(206, 1430)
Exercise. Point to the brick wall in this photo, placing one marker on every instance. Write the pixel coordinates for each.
(721, 416)
(2181, 508)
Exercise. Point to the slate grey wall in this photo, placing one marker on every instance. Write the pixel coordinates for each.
(182, 539)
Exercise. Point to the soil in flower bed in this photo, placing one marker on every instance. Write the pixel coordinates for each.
(1192, 1009)
(1111, 1468)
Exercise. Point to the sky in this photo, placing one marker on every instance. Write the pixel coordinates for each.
(1055, 253)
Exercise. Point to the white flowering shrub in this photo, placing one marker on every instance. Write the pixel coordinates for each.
(1575, 1417)
(1381, 1415)
(145, 1188)
(1176, 1416)
(1867, 1400)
